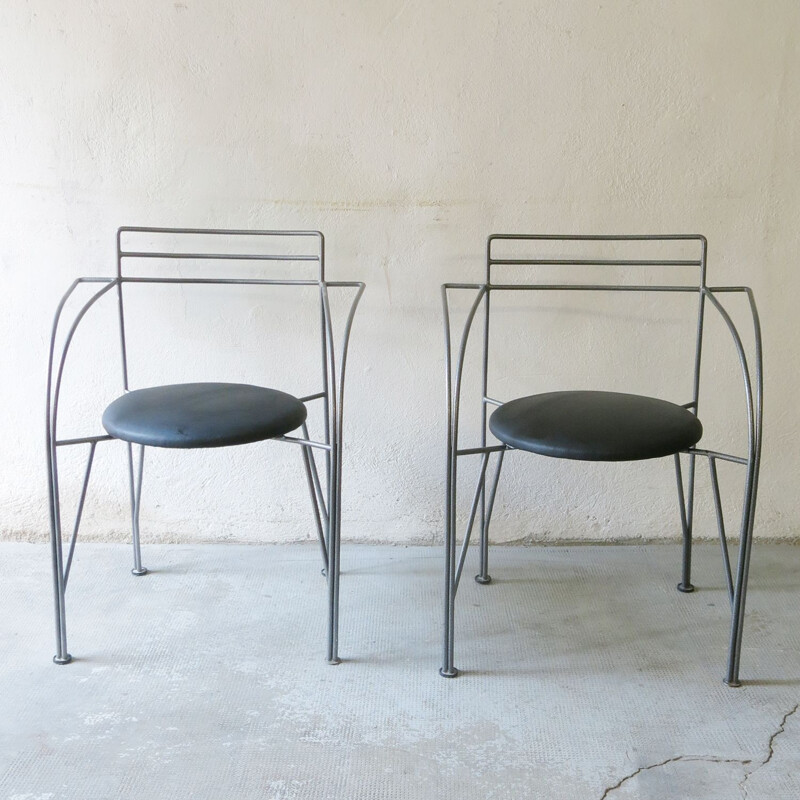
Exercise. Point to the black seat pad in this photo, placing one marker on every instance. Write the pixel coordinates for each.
(595, 426)
(202, 415)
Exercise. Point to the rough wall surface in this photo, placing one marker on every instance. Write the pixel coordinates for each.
(406, 131)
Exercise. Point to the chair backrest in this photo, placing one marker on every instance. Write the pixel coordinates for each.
(548, 263)
(298, 258)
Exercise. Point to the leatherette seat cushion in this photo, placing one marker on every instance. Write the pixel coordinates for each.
(595, 426)
(188, 415)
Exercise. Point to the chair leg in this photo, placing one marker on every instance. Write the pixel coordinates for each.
(742, 572)
(62, 655)
(686, 509)
(487, 507)
(332, 573)
(136, 503)
(448, 669)
(483, 577)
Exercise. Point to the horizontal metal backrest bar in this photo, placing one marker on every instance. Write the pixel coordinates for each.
(226, 281)
(593, 262)
(589, 287)
(632, 237)
(217, 231)
(576, 251)
(135, 243)
(217, 256)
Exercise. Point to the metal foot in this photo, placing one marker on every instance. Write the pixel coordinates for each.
(737, 684)
(686, 588)
(142, 571)
(453, 673)
(334, 661)
(61, 661)
(483, 579)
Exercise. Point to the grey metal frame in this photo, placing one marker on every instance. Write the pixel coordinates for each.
(483, 503)
(326, 501)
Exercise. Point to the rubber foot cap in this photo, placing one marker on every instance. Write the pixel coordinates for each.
(323, 572)
(733, 684)
(686, 588)
(138, 572)
(334, 661)
(451, 674)
(61, 661)
(483, 580)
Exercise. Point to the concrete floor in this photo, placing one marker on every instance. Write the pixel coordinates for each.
(585, 675)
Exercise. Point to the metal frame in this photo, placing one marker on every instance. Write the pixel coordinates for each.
(326, 500)
(483, 503)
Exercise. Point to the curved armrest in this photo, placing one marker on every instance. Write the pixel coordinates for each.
(337, 396)
(753, 382)
(55, 365)
(453, 386)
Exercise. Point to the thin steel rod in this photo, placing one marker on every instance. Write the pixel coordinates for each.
(309, 397)
(217, 231)
(123, 345)
(304, 442)
(578, 237)
(483, 576)
(699, 451)
(344, 348)
(588, 287)
(754, 419)
(315, 479)
(470, 523)
(587, 262)
(84, 440)
(686, 579)
(223, 281)
(483, 559)
(594, 287)
(472, 451)
(62, 655)
(333, 497)
(217, 256)
(712, 465)
(493, 491)
(687, 552)
(328, 372)
(54, 388)
(136, 504)
(315, 507)
(79, 513)
(326, 421)
(492, 402)
(448, 669)
(335, 460)
(756, 463)
(751, 484)
(453, 392)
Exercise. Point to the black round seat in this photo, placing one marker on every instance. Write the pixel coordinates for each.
(190, 415)
(595, 426)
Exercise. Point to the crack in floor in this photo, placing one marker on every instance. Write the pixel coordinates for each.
(713, 760)
(770, 750)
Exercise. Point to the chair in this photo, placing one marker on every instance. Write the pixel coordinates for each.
(203, 415)
(593, 425)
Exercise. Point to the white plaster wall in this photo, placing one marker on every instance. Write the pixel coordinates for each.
(406, 131)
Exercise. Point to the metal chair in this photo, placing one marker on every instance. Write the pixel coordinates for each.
(201, 415)
(596, 426)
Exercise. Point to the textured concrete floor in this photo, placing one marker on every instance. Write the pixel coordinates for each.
(585, 675)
